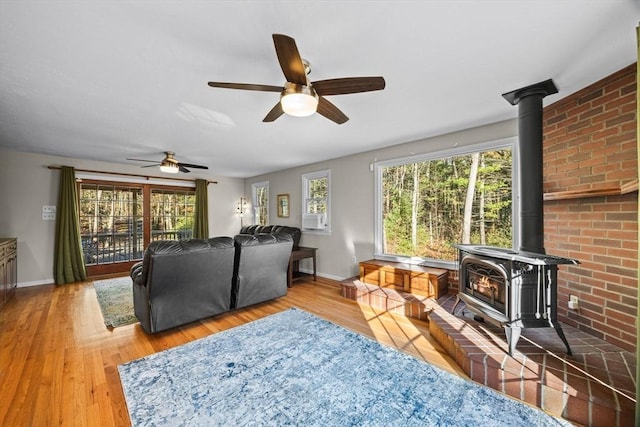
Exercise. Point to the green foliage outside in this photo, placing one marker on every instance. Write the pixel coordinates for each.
(434, 193)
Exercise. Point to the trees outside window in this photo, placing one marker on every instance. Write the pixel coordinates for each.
(429, 203)
(172, 214)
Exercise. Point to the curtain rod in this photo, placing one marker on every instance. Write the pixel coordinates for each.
(132, 174)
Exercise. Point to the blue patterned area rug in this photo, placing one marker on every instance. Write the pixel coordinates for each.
(293, 368)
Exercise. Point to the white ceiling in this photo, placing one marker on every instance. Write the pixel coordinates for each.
(110, 80)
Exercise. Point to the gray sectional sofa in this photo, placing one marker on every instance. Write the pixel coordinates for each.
(179, 282)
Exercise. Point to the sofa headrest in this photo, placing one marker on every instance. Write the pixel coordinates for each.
(283, 237)
(263, 229)
(255, 240)
(249, 229)
(220, 242)
(194, 245)
(164, 247)
(294, 232)
(177, 246)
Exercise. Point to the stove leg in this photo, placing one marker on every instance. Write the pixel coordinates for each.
(560, 333)
(513, 335)
(453, 310)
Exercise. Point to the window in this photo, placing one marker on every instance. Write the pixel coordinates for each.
(172, 213)
(425, 204)
(260, 200)
(316, 202)
(118, 220)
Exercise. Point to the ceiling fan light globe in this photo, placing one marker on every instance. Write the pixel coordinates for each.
(299, 104)
(299, 101)
(169, 168)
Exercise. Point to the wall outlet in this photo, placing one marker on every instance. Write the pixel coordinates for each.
(49, 216)
(573, 302)
(354, 260)
(48, 209)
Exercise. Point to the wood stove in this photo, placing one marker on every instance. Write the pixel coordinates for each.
(513, 289)
(518, 288)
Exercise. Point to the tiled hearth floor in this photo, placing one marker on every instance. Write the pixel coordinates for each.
(595, 386)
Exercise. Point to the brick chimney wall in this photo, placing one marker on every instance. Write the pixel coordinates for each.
(590, 143)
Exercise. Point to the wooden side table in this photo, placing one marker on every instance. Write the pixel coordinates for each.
(297, 254)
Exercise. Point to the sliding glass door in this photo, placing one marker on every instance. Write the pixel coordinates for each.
(117, 221)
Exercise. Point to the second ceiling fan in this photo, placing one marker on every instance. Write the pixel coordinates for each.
(170, 164)
(300, 97)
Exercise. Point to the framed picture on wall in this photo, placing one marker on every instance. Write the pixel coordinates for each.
(283, 205)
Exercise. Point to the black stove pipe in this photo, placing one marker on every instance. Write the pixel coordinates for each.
(530, 196)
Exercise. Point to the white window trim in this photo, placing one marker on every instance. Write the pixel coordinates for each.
(254, 199)
(327, 220)
(467, 149)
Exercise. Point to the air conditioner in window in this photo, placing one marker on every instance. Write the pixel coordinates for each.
(313, 221)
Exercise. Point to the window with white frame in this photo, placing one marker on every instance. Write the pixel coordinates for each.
(426, 203)
(316, 202)
(260, 201)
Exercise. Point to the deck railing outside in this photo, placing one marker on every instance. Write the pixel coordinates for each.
(122, 247)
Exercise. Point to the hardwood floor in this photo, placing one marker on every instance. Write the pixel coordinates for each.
(58, 362)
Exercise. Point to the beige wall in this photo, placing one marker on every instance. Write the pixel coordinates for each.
(26, 184)
(352, 194)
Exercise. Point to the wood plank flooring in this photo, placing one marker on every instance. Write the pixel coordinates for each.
(58, 361)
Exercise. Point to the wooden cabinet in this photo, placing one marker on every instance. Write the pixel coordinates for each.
(8, 268)
(415, 279)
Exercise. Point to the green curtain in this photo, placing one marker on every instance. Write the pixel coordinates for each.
(68, 263)
(201, 214)
(638, 305)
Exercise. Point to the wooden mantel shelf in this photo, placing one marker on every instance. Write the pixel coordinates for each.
(629, 187)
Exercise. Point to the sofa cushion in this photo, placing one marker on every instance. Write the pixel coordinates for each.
(261, 265)
(221, 242)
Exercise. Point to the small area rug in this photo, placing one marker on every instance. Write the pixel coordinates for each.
(115, 297)
(293, 368)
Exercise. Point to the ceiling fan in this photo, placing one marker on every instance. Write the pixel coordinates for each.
(300, 97)
(170, 164)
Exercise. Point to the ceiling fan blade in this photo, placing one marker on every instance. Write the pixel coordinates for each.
(183, 169)
(275, 112)
(289, 59)
(189, 165)
(348, 85)
(330, 111)
(247, 86)
(152, 166)
(143, 160)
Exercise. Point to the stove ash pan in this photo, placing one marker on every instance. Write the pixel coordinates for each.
(512, 289)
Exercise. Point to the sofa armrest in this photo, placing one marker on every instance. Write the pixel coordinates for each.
(136, 270)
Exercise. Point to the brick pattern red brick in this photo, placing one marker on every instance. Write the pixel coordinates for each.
(387, 299)
(593, 387)
(590, 143)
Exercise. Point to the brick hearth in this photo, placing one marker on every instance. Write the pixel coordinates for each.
(387, 299)
(594, 387)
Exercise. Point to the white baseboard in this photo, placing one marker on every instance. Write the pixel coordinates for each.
(36, 283)
(326, 276)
